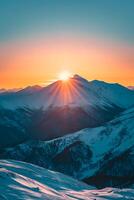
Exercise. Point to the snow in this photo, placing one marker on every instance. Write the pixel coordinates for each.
(19, 180)
(116, 93)
(77, 92)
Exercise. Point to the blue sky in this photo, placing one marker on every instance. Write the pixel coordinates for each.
(112, 19)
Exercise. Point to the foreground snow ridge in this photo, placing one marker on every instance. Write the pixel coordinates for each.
(19, 180)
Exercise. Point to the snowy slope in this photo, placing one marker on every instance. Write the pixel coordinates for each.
(83, 154)
(77, 92)
(19, 180)
(116, 93)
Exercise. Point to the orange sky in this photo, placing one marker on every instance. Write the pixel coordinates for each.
(33, 62)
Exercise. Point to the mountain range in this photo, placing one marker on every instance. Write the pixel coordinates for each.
(60, 108)
(77, 92)
(80, 128)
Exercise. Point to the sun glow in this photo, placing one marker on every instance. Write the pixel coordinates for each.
(64, 76)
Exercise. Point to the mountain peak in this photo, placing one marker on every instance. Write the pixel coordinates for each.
(28, 89)
(79, 78)
(76, 76)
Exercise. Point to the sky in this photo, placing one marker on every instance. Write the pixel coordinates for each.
(39, 39)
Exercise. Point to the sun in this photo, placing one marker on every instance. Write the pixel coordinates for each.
(64, 76)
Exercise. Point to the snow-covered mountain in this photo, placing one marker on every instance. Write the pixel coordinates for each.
(77, 92)
(116, 93)
(19, 180)
(89, 154)
(60, 108)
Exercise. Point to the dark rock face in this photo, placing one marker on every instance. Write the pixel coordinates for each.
(101, 181)
(118, 172)
(14, 126)
(77, 154)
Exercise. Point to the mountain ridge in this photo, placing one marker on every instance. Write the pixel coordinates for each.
(77, 91)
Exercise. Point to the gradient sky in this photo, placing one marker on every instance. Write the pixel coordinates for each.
(41, 38)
